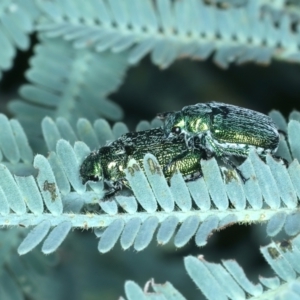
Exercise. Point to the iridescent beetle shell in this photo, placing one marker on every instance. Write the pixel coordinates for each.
(223, 129)
(109, 162)
(104, 164)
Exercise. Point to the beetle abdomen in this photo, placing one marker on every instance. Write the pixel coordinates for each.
(245, 127)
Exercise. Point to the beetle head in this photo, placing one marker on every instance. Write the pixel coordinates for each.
(174, 123)
(91, 169)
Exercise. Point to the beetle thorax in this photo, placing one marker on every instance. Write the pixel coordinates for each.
(198, 125)
(181, 123)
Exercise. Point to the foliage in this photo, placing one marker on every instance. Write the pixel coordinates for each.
(80, 57)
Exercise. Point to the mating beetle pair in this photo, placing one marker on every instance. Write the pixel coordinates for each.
(197, 131)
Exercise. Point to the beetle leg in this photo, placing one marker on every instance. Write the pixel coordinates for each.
(217, 152)
(283, 133)
(284, 161)
(194, 176)
(109, 193)
(230, 163)
(113, 187)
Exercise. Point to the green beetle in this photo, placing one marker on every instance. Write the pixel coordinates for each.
(223, 130)
(109, 162)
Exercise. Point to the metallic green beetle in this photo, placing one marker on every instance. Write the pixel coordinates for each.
(223, 130)
(109, 162)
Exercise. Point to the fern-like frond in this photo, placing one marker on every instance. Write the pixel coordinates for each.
(218, 282)
(183, 210)
(174, 29)
(20, 276)
(228, 280)
(15, 151)
(151, 290)
(69, 83)
(16, 23)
